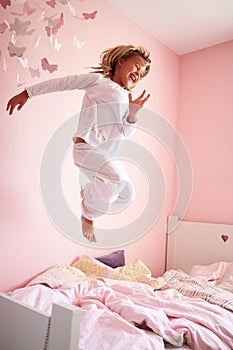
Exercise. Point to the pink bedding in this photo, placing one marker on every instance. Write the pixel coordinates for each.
(219, 274)
(113, 311)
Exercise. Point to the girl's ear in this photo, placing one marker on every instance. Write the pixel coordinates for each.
(120, 61)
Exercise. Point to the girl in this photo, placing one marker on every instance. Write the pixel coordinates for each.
(108, 114)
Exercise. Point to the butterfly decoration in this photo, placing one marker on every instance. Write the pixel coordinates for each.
(27, 9)
(89, 15)
(76, 43)
(5, 3)
(16, 51)
(47, 66)
(35, 73)
(57, 45)
(23, 61)
(21, 27)
(3, 27)
(51, 3)
(18, 25)
(54, 25)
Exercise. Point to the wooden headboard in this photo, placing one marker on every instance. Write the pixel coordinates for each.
(197, 243)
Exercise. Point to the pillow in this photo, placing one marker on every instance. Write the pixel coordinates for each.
(115, 259)
(211, 274)
(137, 271)
(226, 281)
(59, 276)
(93, 268)
(134, 270)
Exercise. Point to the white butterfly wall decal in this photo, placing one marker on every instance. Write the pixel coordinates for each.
(57, 45)
(77, 43)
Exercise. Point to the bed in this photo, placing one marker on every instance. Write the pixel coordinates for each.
(93, 304)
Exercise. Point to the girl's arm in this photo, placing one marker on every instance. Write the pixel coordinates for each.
(135, 106)
(70, 82)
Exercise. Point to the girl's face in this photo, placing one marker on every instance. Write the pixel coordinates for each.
(129, 71)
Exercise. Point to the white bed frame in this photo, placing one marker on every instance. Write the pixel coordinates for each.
(197, 243)
(24, 328)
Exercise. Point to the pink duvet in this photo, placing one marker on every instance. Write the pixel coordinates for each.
(112, 308)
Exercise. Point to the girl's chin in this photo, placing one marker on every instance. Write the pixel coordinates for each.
(130, 85)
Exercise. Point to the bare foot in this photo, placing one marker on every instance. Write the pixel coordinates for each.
(88, 229)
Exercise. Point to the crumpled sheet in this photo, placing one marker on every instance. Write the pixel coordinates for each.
(112, 312)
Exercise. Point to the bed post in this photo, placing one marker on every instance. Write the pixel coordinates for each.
(64, 327)
(21, 326)
(172, 223)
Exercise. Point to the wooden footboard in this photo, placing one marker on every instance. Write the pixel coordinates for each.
(25, 328)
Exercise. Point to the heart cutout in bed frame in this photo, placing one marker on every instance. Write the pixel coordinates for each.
(224, 238)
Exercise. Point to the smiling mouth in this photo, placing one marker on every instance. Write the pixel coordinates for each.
(133, 78)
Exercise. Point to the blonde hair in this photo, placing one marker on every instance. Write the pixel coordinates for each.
(109, 58)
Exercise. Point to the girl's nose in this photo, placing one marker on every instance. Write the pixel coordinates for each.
(138, 73)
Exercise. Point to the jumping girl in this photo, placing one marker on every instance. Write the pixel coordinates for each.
(108, 114)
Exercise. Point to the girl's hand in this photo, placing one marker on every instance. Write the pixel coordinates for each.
(19, 100)
(136, 105)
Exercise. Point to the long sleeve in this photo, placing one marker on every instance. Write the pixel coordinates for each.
(128, 128)
(70, 82)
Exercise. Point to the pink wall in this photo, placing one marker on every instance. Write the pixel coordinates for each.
(205, 122)
(29, 241)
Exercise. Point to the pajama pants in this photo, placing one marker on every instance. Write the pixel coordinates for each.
(108, 182)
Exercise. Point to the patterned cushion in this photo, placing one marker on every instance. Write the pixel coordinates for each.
(93, 268)
(59, 276)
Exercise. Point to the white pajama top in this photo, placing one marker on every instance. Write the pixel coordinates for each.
(105, 107)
